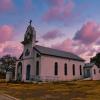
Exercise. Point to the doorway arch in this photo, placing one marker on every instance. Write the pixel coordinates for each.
(19, 71)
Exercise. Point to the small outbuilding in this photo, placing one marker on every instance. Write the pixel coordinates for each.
(92, 71)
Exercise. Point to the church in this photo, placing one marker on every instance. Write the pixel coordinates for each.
(38, 63)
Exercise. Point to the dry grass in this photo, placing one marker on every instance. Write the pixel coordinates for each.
(76, 90)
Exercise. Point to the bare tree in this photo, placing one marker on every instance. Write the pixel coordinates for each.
(8, 63)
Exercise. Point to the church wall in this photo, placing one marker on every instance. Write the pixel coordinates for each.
(35, 60)
(95, 76)
(47, 68)
(28, 60)
(29, 47)
(25, 63)
(31, 61)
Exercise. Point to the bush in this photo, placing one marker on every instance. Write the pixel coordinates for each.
(2, 75)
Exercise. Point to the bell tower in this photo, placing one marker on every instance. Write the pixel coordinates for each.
(30, 35)
(29, 40)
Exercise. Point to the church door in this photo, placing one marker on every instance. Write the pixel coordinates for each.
(19, 71)
(28, 72)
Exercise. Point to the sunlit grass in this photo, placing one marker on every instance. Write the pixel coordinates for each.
(76, 90)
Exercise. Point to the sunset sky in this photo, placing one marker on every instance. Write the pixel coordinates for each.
(70, 25)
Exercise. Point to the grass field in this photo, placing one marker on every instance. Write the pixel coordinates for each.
(76, 90)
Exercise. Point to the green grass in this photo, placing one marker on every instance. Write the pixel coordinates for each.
(76, 90)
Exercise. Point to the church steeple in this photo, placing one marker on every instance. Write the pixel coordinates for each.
(30, 35)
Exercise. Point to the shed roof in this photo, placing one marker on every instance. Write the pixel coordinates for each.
(89, 65)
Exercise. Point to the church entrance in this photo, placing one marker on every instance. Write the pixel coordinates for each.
(19, 71)
(28, 68)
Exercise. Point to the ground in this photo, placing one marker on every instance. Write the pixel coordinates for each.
(75, 90)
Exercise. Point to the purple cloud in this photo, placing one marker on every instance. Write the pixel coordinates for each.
(13, 48)
(89, 33)
(59, 10)
(52, 35)
(6, 5)
(6, 33)
(55, 2)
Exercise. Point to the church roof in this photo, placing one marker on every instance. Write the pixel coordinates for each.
(57, 53)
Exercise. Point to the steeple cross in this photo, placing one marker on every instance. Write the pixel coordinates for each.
(30, 22)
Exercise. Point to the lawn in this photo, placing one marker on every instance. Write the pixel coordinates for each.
(76, 90)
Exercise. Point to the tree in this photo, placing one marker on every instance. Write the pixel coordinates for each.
(96, 59)
(8, 63)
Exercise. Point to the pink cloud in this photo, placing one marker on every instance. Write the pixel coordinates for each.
(11, 47)
(89, 33)
(71, 46)
(67, 44)
(85, 42)
(52, 35)
(59, 11)
(5, 5)
(6, 33)
(83, 50)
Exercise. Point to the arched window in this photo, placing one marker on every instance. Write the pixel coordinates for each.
(28, 69)
(65, 69)
(37, 68)
(27, 52)
(99, 70)
(37, 55)
(19, 71)
(80, 70)
(94, 71)
(56, 68)
(73, 69)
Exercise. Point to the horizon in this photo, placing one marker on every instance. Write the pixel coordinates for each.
(69, 25)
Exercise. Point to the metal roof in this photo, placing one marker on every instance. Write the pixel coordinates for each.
(89, 65)
(57, 53)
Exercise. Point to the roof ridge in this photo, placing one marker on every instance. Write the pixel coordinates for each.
(57, 53)
(56, 49)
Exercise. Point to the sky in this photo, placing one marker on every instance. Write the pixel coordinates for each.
(69, 25)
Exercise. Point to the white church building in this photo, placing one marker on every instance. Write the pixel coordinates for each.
(38, 63)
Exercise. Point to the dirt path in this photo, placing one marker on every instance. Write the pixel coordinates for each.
(6, 97)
